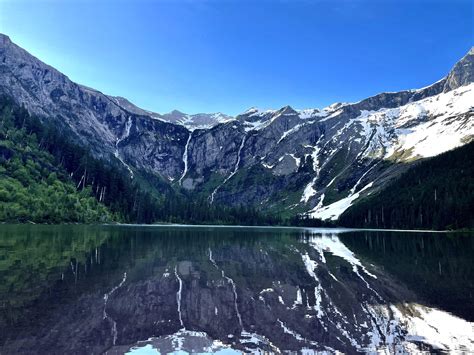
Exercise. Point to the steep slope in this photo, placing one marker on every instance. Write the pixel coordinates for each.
(407, 133)
(315, 161)
(437, 193)
(96, 120)
(33, 187)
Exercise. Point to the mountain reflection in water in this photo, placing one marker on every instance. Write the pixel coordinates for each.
(149, 289)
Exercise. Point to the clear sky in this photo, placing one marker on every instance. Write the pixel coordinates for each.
(224, 55)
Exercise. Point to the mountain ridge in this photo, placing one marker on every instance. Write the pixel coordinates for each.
(284, 161)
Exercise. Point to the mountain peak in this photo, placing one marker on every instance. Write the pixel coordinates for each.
(252, 109)
(4, 40)
(462, 72)
(176, 113)
(287, 110)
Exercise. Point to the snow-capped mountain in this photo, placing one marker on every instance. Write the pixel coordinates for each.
(315, 161)
(190, 121)
(196, 121)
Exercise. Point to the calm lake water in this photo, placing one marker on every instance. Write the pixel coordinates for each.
(161, 289)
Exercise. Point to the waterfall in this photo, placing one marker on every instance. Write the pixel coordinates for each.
(128, 126)
(236, 167)
(363, 176)
(185, 158)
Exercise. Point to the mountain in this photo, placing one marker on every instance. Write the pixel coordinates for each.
(316, 162)
(196, 121)
(190, 121)
(437, 193)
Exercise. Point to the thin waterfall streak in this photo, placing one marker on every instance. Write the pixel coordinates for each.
(352, 191)
(128, 126)
(185, 158)
(236, 167)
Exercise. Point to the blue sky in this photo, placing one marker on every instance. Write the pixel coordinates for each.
(209, 56)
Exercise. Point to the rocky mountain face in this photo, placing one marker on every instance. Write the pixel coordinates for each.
(293, 161)
(96, 120)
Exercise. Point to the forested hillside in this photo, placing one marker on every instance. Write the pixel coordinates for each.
(437, 193)
(32, 187)
(46, 176)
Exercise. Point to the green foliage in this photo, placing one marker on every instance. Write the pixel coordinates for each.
(32, 186)
(437, 193)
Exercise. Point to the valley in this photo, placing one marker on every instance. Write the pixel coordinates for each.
(312, 163)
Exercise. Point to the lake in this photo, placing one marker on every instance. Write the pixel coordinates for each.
(160, 289)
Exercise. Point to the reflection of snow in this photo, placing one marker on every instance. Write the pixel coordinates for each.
(234, 288)
(332, 244)
(181, 342)
(178, 296)
(310, 266)
(257, 340)
(439, 329)
(404, 326)
(368, 324)
(106, 316)
(401, 327)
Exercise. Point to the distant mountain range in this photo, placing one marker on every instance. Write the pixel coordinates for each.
(316, 162)
(191, 122)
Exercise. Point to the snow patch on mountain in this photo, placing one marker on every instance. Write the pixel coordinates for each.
(197, 121)
(335, 209)
(423, 128)
(420, 129)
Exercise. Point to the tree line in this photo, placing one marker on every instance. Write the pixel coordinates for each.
(436, 193)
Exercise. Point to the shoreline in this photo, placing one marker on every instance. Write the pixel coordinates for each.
(181, 225)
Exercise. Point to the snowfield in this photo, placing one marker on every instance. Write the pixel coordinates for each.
(423, 128)
(420, 129)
